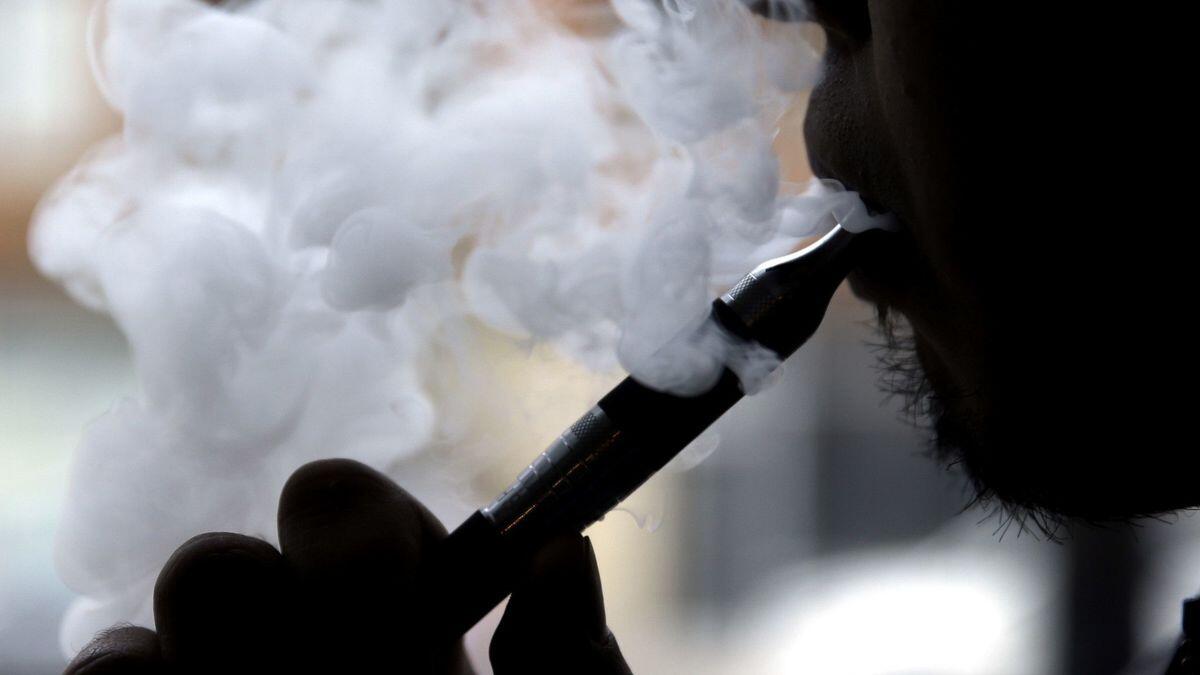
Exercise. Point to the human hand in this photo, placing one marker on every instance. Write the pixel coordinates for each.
(341, 597)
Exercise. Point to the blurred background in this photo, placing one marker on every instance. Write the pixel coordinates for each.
(816, 539)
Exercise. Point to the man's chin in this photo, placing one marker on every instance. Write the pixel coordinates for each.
(1042, 480)
(1026, 453)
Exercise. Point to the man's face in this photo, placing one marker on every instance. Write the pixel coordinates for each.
(1004, 142)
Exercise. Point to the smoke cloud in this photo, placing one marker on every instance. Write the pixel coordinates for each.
(312, 205)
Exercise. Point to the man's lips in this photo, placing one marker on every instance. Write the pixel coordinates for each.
(842, 20)
(885, 276)
(873, 207)
(889, 274)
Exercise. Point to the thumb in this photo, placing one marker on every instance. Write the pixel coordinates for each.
(555, 619)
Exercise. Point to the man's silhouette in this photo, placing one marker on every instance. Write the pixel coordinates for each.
(1037, 301)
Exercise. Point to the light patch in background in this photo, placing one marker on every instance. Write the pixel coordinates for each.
(47, 100)
(942, 607)
(60, 369)
(35, 32)
(1173, 576)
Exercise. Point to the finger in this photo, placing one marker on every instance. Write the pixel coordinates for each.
(555, 619)
(220, 605)
(127, 650)
(354, 540)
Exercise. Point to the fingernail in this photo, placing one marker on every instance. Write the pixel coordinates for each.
(598, 624)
